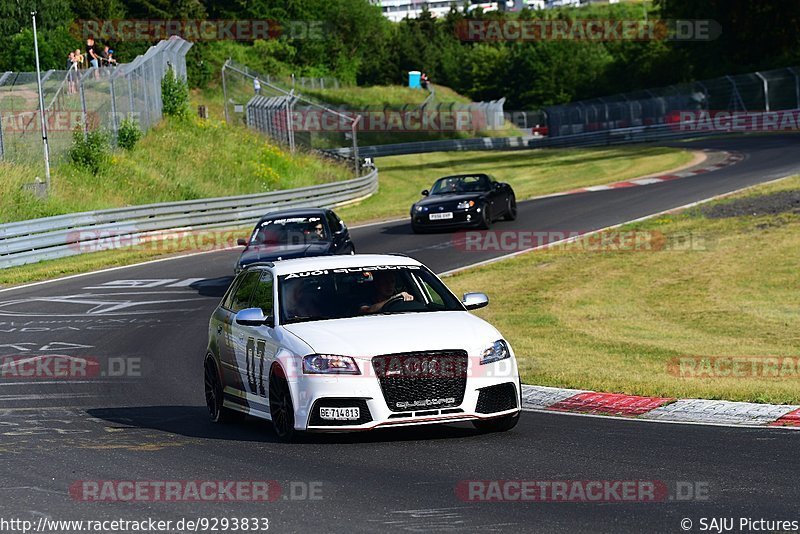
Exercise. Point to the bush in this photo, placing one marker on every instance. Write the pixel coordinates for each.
(91, 153)
(174, 95)
(129, 134)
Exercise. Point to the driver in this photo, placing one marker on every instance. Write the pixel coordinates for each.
(385, 284)
(317, 232)
(300, 299)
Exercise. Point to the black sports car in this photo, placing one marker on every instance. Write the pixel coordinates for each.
(464, 200)
(295, 233)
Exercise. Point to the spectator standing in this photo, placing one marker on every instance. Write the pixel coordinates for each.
(72, 71)
(107, 57)
(91, 53)
(256, 86)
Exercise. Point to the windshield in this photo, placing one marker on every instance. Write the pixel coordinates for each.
(289, 231)
(355, 291)
(461, 184)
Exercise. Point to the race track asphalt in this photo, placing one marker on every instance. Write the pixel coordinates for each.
(154, 426)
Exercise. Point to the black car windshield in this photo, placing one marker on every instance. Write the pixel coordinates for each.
(289, 231)
(355, 291)
(461, 184)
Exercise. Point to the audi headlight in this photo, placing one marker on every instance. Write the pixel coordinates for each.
(498, 351)
(466, 204)
(329, 364)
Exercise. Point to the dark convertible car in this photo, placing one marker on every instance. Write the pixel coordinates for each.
(295, 233)
(464, 200)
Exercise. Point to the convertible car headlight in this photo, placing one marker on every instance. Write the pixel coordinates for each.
(329, 364)
(466, 204)
(498, 351)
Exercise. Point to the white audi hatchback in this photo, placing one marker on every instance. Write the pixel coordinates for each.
(344, 343)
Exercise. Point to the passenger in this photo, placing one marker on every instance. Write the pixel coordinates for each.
(300, 299)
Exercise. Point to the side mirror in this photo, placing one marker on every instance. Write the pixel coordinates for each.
(253, 317)
(425, 192)
(241, 242)
(473, 301)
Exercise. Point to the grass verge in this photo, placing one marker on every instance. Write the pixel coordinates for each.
(397, 97)
(530, 173)
(619, 321)
(176, 160)
(378, 96)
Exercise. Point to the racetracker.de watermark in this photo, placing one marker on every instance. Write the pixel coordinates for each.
(592, 30)
(148, 30)
(735, 121)
(581, 491)
(733, 367)
(414, 120)
(570, 240)
(132, 238)
(60, 120)
(64, 367)
(177, 491)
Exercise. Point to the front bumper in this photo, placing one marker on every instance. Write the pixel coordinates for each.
(461, 219)
(482, 400)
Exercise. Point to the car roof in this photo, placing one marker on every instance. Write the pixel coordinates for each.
(299, 265)
(297, 212)
(466, 175)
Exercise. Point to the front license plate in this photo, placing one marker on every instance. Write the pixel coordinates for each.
(340, 414)
(441, 216)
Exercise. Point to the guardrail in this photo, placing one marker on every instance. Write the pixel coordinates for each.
(69, 235)
(621, 136)
(444, 145)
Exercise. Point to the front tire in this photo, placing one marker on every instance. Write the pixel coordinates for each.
(486, 218)
(511, 208)
(215, 397)
(498, 424)
(281, 408)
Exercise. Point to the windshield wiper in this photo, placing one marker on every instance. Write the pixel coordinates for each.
(305, 318)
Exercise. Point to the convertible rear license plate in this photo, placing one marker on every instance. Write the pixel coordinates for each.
(440, 216)
(340, 414)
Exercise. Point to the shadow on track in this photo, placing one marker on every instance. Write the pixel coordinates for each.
(404, 228)
(212, 287)
(192, 421)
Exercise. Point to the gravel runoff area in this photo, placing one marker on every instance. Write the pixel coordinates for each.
(772, 204)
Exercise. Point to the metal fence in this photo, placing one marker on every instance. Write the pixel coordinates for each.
(252, 100)
(61, 236)
(760, 91)
(85, 100)
(618, 136)
(297, 120)
(305, 82)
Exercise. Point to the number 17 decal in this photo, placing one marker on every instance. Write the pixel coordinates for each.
(255, 351)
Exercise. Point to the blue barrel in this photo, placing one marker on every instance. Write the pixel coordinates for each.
(413, 79)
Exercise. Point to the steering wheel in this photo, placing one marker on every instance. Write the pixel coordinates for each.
(392, 301)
